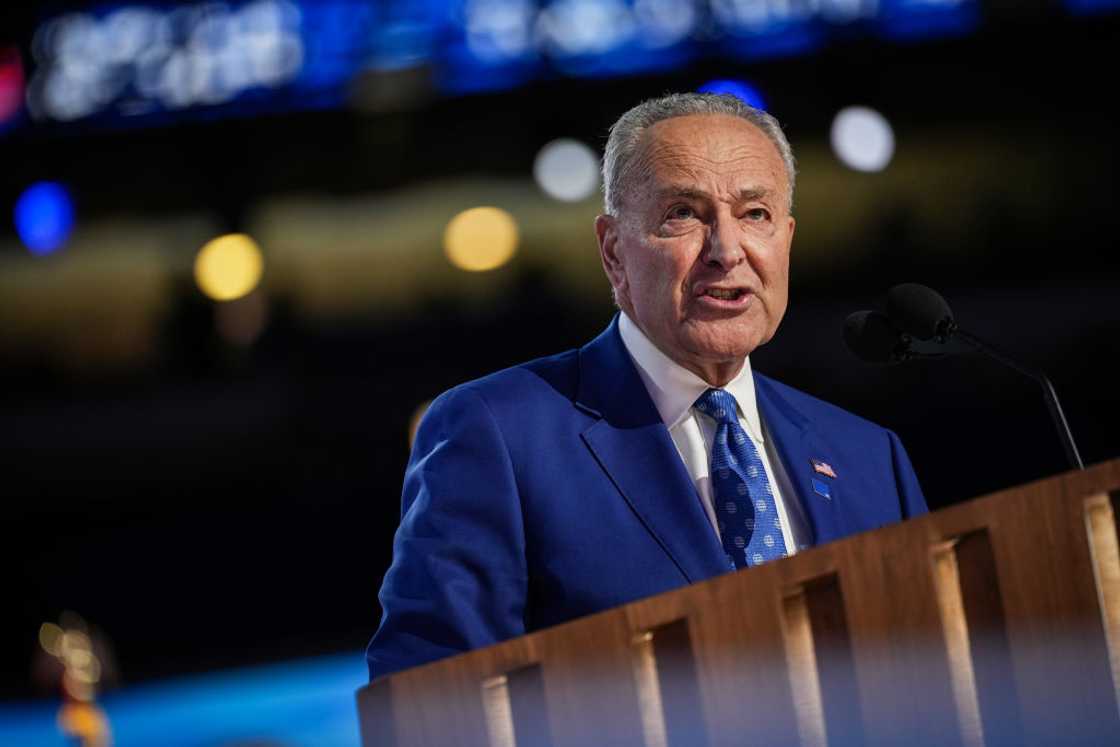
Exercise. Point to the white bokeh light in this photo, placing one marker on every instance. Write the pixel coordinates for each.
(585, 27)
(202, 54)
(499, 30)
(862, 138)
(567, 170)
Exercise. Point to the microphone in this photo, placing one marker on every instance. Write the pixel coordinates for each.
(875, 339)
(921, 312)
(872, 337)
(915, 312)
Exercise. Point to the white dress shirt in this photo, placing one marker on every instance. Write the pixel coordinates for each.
(674, 389)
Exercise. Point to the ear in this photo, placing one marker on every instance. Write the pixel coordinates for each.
(606, 230)
(789, 238)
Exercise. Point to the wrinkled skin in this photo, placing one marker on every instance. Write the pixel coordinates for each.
(705, 207)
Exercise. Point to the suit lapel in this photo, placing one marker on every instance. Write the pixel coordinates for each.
(798, 444)
(633, 447)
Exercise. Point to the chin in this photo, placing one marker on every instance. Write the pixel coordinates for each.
(721, 351)
(722, 343)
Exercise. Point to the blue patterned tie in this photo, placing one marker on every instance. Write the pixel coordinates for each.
(748, 517)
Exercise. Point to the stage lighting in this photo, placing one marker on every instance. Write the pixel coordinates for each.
(141, 58)
(44, 217)
(567, 170)
(745, 92)
(499, 30)
(11, 86)
(1084, 7)
(862, 138)
(480, 239)
(50, 638)
(228, 267)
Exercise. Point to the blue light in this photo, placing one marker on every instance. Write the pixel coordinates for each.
(1085, 7)
(912, 20)
(276, 55)
(745, 92)
(44, 217)
(303, 702)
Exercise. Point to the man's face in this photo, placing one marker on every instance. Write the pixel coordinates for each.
(699, 253)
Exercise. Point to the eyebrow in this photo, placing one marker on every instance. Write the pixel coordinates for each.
(745, 195)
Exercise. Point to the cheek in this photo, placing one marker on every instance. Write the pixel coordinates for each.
(674, 263)
(657, 272)
(775, 266)
(777, 284)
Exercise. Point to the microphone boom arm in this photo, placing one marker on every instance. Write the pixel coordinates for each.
(1051, 396)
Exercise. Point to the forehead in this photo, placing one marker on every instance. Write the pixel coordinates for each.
(717, 151)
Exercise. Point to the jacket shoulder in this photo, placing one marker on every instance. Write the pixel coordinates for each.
(552, 378)
(823, 414)
(890, 488)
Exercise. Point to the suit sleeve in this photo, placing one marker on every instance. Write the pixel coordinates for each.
(910, 497)
(458, 578)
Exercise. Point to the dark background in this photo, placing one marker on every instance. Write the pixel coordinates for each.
(220, 506)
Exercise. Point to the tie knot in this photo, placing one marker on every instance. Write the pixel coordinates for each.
(718, 404)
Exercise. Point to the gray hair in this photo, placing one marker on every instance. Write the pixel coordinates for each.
(626, 135)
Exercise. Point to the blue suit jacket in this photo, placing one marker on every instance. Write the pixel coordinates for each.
(552, 490)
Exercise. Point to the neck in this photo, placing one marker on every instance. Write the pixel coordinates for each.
(717, 375)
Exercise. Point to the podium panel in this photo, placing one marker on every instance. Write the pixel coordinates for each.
(992, 622)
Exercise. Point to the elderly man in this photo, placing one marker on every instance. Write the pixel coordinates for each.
(653, 456)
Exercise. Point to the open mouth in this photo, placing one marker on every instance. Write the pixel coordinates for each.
(725, 294)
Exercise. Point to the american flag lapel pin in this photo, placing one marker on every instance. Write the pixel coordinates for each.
(823, 468)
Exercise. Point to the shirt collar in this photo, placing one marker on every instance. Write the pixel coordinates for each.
(674, 389)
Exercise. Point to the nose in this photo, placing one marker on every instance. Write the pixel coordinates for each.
(725, 247)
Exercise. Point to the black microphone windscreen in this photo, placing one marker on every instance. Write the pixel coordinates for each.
(918, 310)
(870, 335)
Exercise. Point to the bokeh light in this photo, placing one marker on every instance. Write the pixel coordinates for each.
(11, 85)
(183, 55)
(567, 170)
(228, 267)
(745, 92)
(72, 647)
(86, 723)
(862, 138)
(480, 239)
(50, 638)
(44, 216)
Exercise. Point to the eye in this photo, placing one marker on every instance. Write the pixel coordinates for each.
(680, 212)
(757, 214)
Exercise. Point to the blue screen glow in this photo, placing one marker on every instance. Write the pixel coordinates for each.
(745, 92)
(922, 19)
(161, 60)
(1083, 7)
(309, 703)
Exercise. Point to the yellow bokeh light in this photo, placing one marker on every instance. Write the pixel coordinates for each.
(480, 239)
(50, 638)
(228, 267)
(85, 721)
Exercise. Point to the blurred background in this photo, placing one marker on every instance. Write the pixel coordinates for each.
(245, 242)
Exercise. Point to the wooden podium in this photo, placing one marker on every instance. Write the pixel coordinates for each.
(993, 622)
